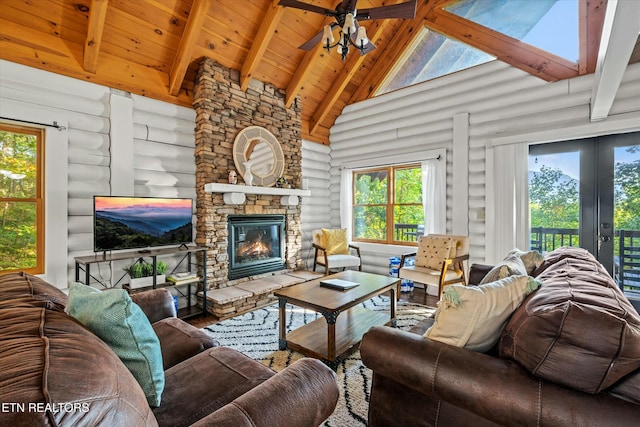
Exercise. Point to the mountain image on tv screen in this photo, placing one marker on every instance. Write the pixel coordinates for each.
(140, 222)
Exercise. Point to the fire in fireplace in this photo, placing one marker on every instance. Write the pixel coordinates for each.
(256, 244)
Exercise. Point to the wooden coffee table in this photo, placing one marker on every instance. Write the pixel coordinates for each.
(344, 322)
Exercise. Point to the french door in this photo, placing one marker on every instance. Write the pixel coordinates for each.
(583, 192)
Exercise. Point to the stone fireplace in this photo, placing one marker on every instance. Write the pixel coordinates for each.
(222, 111)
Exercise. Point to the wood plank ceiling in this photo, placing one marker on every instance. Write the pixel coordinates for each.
(153, 47)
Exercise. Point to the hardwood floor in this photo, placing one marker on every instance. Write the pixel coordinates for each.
(416, 297)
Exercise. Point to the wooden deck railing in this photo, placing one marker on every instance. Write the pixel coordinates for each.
(627, 265)
(626, 260)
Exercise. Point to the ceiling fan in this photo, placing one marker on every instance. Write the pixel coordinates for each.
(345, 15)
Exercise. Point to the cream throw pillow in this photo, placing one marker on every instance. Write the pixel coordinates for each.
(530, 259)
(335, 241)
(473, 317)
(511, 265)
(432, 251)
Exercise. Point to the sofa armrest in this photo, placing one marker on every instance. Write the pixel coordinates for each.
(302, 395)
(495, 389)
(179, 340)
(156, 304)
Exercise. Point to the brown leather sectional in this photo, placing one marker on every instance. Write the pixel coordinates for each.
(53, 371)
(569, 356)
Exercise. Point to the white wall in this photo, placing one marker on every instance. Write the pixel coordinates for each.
(466, 113)
(114, 144)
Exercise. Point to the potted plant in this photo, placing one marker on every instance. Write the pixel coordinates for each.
(141, 273)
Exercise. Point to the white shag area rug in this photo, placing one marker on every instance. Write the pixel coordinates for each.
(256, 335)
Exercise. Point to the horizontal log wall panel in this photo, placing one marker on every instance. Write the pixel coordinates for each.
(150, 133)
(315, 212)
(163, 150)
(53, 98)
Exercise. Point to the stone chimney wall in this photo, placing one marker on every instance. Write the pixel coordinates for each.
(223, 110)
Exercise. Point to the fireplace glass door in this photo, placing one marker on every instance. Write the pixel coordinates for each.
(256, 244)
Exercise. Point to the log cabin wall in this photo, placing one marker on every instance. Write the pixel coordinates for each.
(468, 113)
(223, 110)
(115, 143)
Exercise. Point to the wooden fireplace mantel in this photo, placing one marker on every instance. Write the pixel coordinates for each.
(236, 194)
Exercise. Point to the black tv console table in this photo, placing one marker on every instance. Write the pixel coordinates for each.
(83, 264)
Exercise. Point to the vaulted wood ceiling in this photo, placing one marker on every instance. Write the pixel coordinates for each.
(153, 47)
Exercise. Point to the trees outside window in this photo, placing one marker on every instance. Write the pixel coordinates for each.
(21, 199)
(387, 204)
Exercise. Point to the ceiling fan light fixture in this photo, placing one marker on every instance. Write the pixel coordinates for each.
(361, 38)
(327, 36)
(349, 24)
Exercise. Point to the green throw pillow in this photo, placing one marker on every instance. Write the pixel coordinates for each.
(123, 326)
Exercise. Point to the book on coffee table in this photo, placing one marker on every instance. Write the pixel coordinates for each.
(338, 284)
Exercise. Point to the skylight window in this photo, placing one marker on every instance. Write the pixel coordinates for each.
(432, 55)
(550, 25)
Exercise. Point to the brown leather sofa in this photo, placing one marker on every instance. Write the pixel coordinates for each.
(568, 356)
(53, 371)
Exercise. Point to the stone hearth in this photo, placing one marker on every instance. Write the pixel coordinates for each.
(223, 110)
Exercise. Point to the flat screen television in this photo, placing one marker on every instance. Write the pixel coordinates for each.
(141, 222)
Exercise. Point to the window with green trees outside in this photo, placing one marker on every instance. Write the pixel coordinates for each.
(387, 204)
(21, 199)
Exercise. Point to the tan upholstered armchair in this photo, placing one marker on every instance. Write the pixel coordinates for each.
(439, 262)
(333, 250)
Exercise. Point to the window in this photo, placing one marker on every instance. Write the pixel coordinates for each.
(387, 204)
(21, 199)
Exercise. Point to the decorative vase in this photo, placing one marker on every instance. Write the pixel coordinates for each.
(248, 177)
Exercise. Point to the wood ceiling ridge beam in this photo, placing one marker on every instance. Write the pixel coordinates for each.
(347, 73)
(394, 50)
(259, 46)
(302, 71)
(197, 15)
(591, 24)
(95, 29)
(521, 55)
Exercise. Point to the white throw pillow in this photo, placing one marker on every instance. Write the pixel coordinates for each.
(511, 265)
(530, 259)
(473, 317)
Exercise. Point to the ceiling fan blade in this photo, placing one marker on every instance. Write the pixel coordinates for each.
(406, 10)
(312, 42)
(308, 7)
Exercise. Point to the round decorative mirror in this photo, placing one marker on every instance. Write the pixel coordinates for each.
(258, 156)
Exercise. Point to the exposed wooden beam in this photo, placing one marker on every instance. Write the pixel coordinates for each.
(507, 49)
(302, 71)
(393, 52)
(95, 28)
(620, 32)
(190, 35)
(260, 43)
(594, 12)
(348, 71)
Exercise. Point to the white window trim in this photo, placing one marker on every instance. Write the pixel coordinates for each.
(400, 159)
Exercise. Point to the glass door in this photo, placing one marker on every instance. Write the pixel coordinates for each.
(586, 193)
